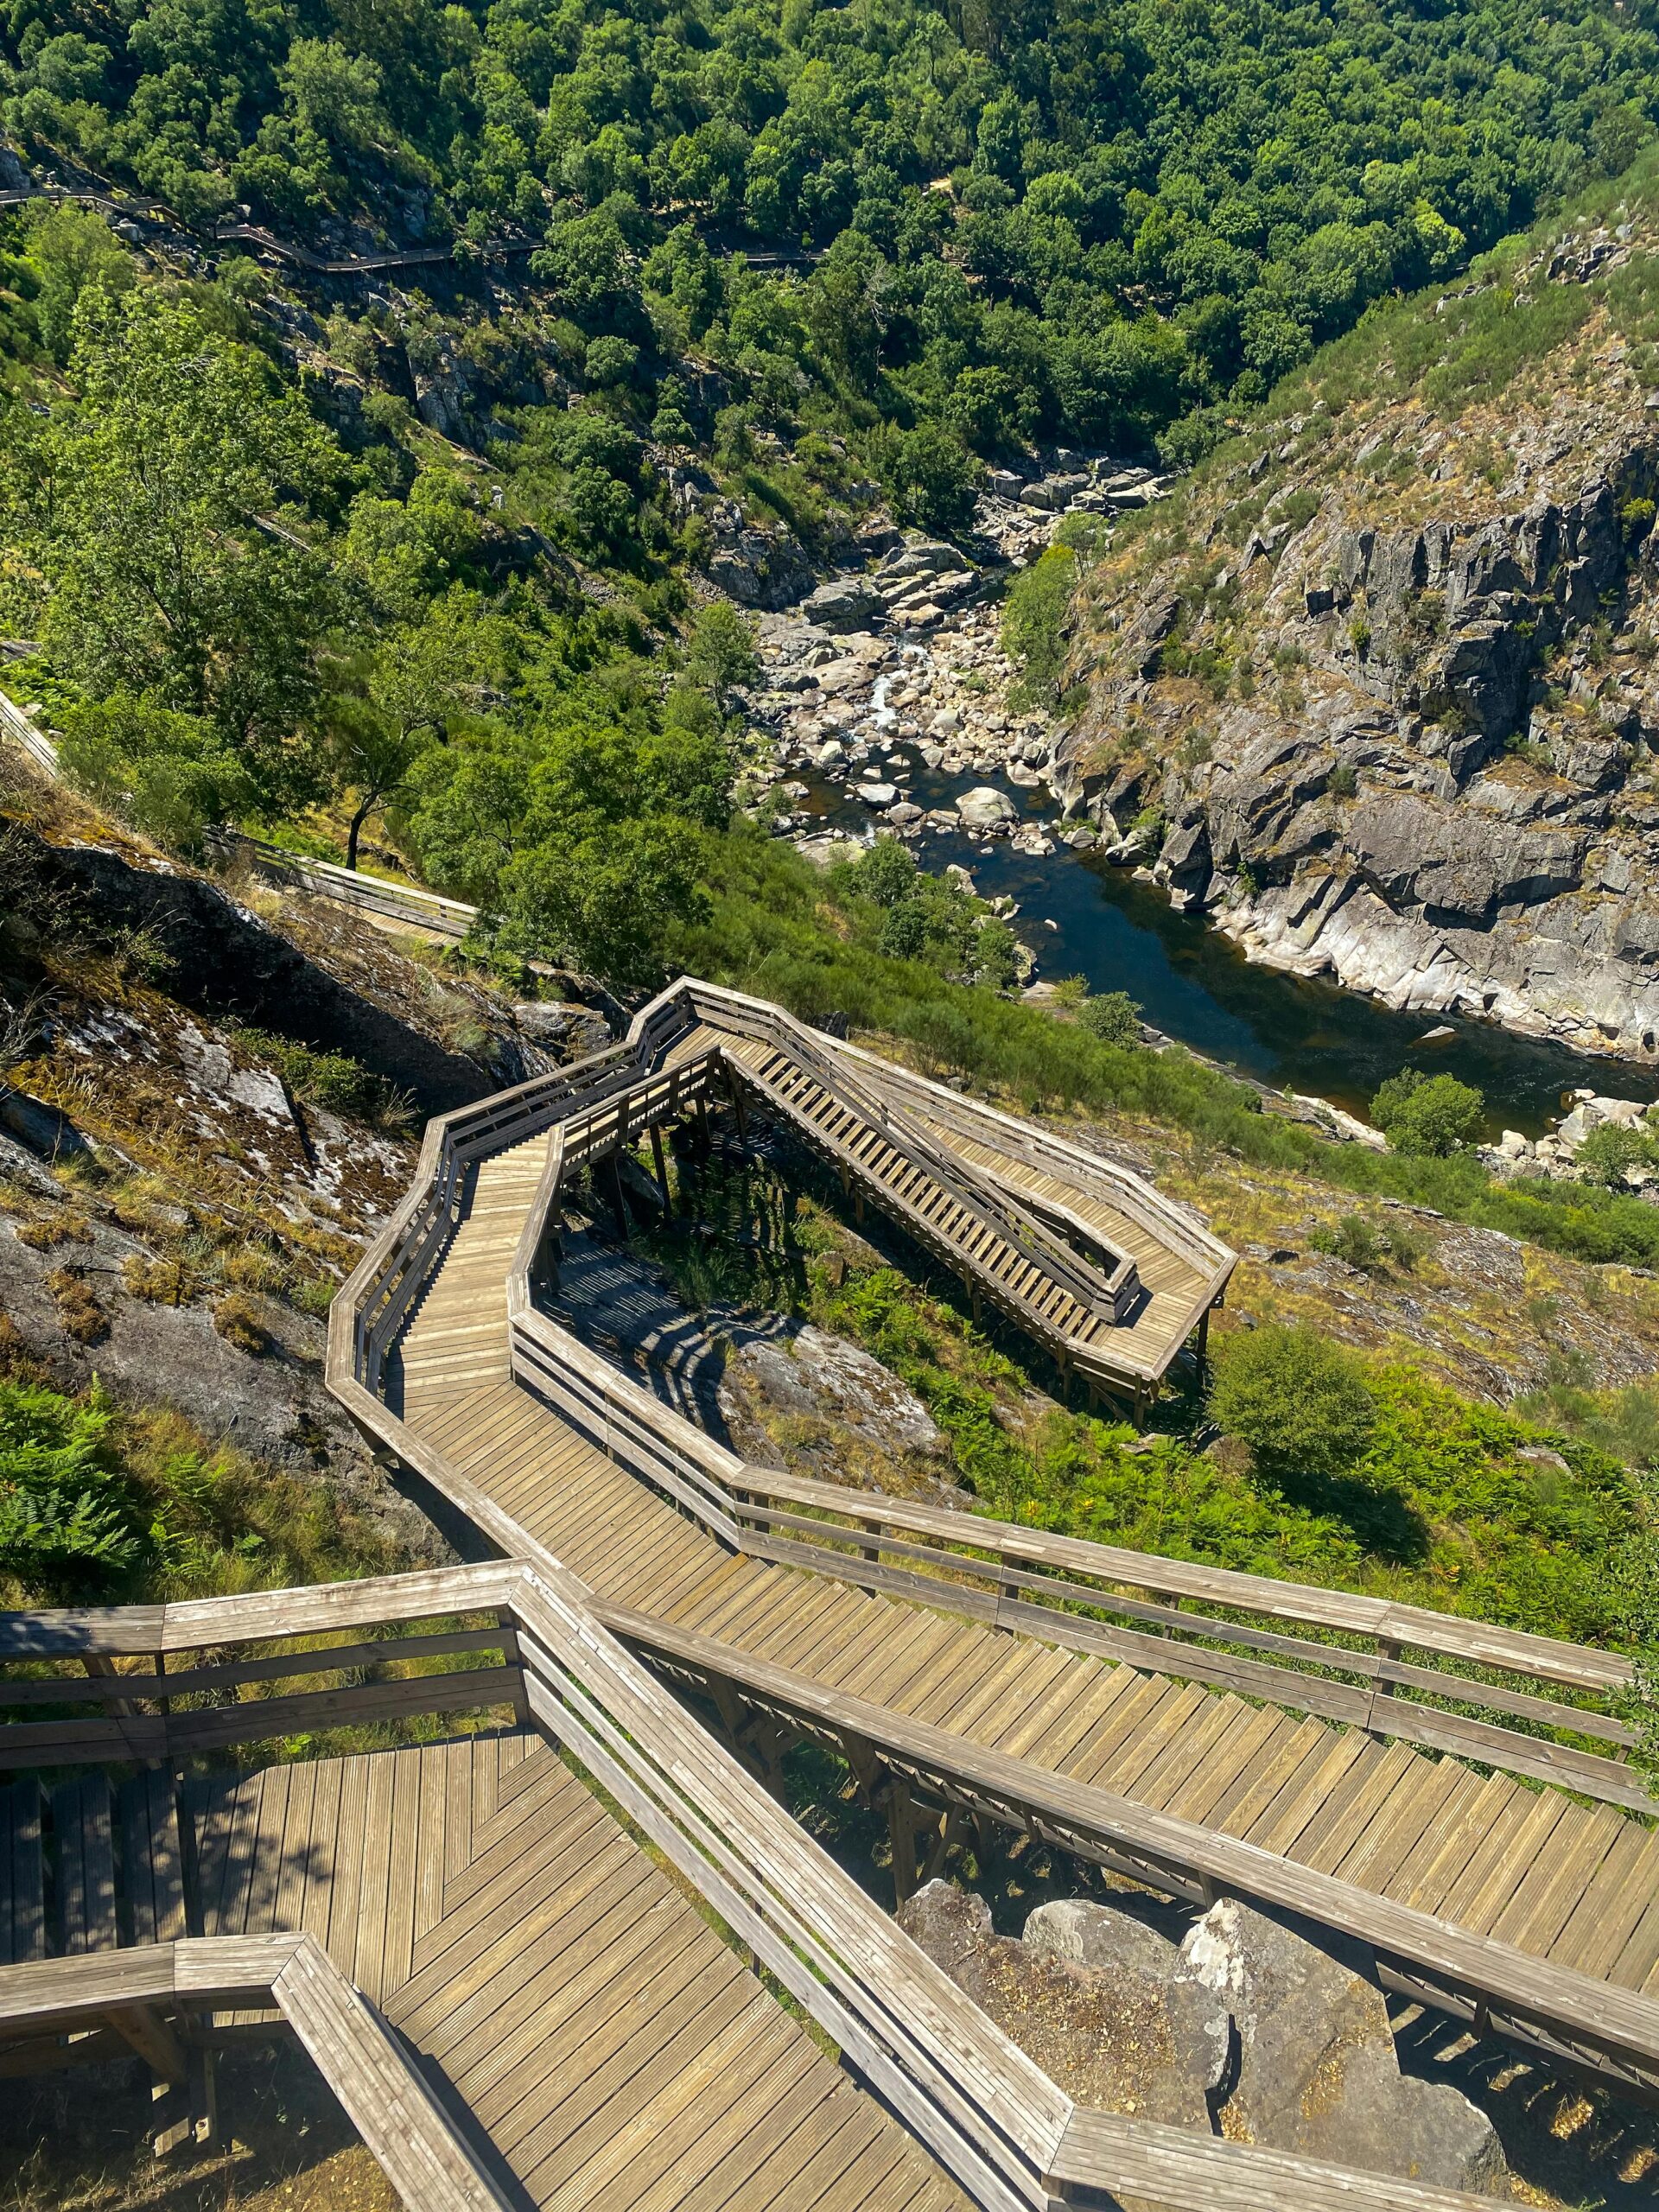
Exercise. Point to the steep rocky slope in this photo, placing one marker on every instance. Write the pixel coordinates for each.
(1380, 688)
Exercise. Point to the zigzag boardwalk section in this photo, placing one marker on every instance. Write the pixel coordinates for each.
(599, 2041)
(601, 2035)
(1571, 1883)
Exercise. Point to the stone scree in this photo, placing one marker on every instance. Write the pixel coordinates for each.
(1246, 2029)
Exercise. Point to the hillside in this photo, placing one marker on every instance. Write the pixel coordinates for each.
(1378, 689)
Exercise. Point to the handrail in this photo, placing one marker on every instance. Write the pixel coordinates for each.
(1023, 1580)
(374, 894)
(986, 2111)
(1104, 1294)
(1141, 1200)
(1045, 1585)
(1556, 2009)
(385, 2096)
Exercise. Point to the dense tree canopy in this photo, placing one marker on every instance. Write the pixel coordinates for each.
(1060, 213)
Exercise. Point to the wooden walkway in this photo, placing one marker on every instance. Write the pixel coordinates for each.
(1092, 1281)
(568, 2003)
(1573, 1884)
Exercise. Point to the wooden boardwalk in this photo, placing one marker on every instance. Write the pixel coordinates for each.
(1573, 1884)
(1102, 1289)
(568, 2004)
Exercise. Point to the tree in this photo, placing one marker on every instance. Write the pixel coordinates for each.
(73, 249)
(1608, 1153)
(1034, 621)
(929, 476)
(1428, 1116)
(145, 505)
(720, 655)
(582, 839)
(1301, 1402)
(377, 733)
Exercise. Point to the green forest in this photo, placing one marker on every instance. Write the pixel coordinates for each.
(1064, 218)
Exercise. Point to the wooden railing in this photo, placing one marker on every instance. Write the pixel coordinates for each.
(1140, 1201)
(26, 732)
(1399, 1671)
(430, 2164)
(1569, 2017)
(1111, 1294)
(1425, 1677)
(984, 2110)
(371, 894)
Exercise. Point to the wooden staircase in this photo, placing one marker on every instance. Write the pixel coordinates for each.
(1001, 1247)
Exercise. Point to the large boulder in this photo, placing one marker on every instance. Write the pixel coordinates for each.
(1142, 1967)
(1110, 2039)
(847, 603)
(984, 807)
(819, 1404)
(1318, 2072)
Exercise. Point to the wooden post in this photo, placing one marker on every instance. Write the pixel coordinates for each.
(901, 1833)
(1203, 1344)
(619, 1203)
(661, 1166)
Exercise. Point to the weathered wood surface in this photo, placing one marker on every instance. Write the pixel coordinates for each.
(1569, 2009)
(550, 1976)
(428, 2163)
(568, 1482)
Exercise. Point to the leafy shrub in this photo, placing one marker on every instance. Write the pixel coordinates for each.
(333, 1080)
(61, 1506)
(1427, 1116)
(1302, 1403)
(1354, 1240)
(1608, 1153)
(1111, 1016)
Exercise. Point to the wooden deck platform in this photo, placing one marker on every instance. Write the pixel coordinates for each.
(602, 2045)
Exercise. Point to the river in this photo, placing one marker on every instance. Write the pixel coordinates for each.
(1194, 984)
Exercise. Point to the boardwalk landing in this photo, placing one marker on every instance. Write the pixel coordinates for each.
(575, 2012)
(1571, 1883)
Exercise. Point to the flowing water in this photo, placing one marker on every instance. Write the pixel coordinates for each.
(1193, 983)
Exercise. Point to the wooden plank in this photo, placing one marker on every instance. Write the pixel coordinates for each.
(402, 1878)
(22, 1931)
(83, 1828)
(152, 1858)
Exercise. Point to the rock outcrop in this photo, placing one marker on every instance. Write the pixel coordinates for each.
(1248, 2027)
(1387, 693)
(1318, 2072)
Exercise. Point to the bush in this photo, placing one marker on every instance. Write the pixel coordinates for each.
(1608, 1153)
(1301, 1403)
(1113, 1017)
(1034, 622)
(60, 1506)
(1428, 1116)
(1353, 1241)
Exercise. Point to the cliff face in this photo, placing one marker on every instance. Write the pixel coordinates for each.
(1380, 689)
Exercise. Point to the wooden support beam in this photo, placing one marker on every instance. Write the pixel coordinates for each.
(154, 2042)
(901, 1833)
(661, 1166)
